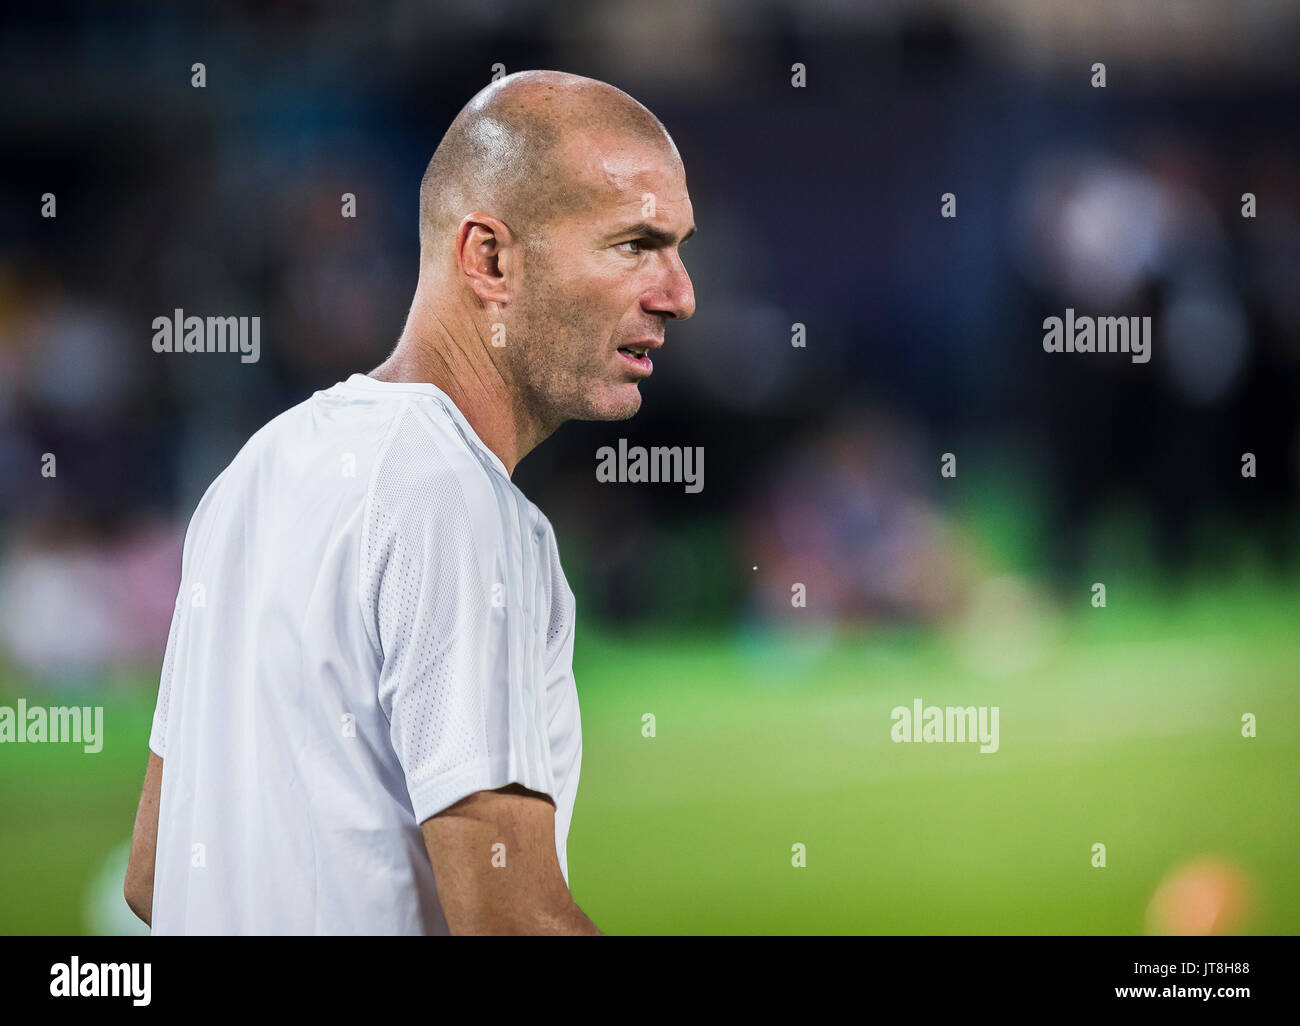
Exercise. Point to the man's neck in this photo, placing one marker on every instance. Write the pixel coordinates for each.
(453, 357)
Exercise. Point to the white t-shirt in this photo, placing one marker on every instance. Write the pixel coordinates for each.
(372, 624)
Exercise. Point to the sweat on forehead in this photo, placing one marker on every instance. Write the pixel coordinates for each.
(505, 154)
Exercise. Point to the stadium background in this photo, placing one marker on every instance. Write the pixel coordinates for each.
(817, 205)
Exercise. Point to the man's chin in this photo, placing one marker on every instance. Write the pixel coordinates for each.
(619, 404)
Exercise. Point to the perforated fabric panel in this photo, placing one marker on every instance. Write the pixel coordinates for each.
(562, 611)
(455, 680)
(421, 576)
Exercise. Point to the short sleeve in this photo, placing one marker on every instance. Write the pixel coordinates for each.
(158, 732)
(444, 594)
(180, 615)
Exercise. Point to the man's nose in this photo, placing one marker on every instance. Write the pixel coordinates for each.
(676, 299)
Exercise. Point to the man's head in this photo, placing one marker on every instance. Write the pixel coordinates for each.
(552, 210)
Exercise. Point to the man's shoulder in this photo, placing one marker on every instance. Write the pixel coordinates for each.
(405, 440)
(295, 426)
(433, 488)
(425, 455)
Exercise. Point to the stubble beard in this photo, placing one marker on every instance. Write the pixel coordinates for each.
(559, 377)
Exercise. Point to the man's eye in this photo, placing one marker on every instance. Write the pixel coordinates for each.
(632, 242)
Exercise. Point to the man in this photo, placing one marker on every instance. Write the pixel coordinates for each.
(367, 704)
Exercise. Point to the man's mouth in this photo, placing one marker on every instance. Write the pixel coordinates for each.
(636, 356)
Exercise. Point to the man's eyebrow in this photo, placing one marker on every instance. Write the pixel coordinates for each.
(656, 235)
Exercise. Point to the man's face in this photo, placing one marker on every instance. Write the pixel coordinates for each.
(606, 279)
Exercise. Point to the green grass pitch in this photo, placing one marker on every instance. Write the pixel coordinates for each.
(1123, 730)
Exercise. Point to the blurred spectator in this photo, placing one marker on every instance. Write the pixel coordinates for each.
(847, 516)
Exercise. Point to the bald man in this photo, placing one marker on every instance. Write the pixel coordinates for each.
(367, 706)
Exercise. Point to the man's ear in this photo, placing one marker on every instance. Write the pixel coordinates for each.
(486, 256)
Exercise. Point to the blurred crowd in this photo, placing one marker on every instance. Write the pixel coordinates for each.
(818, 207)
